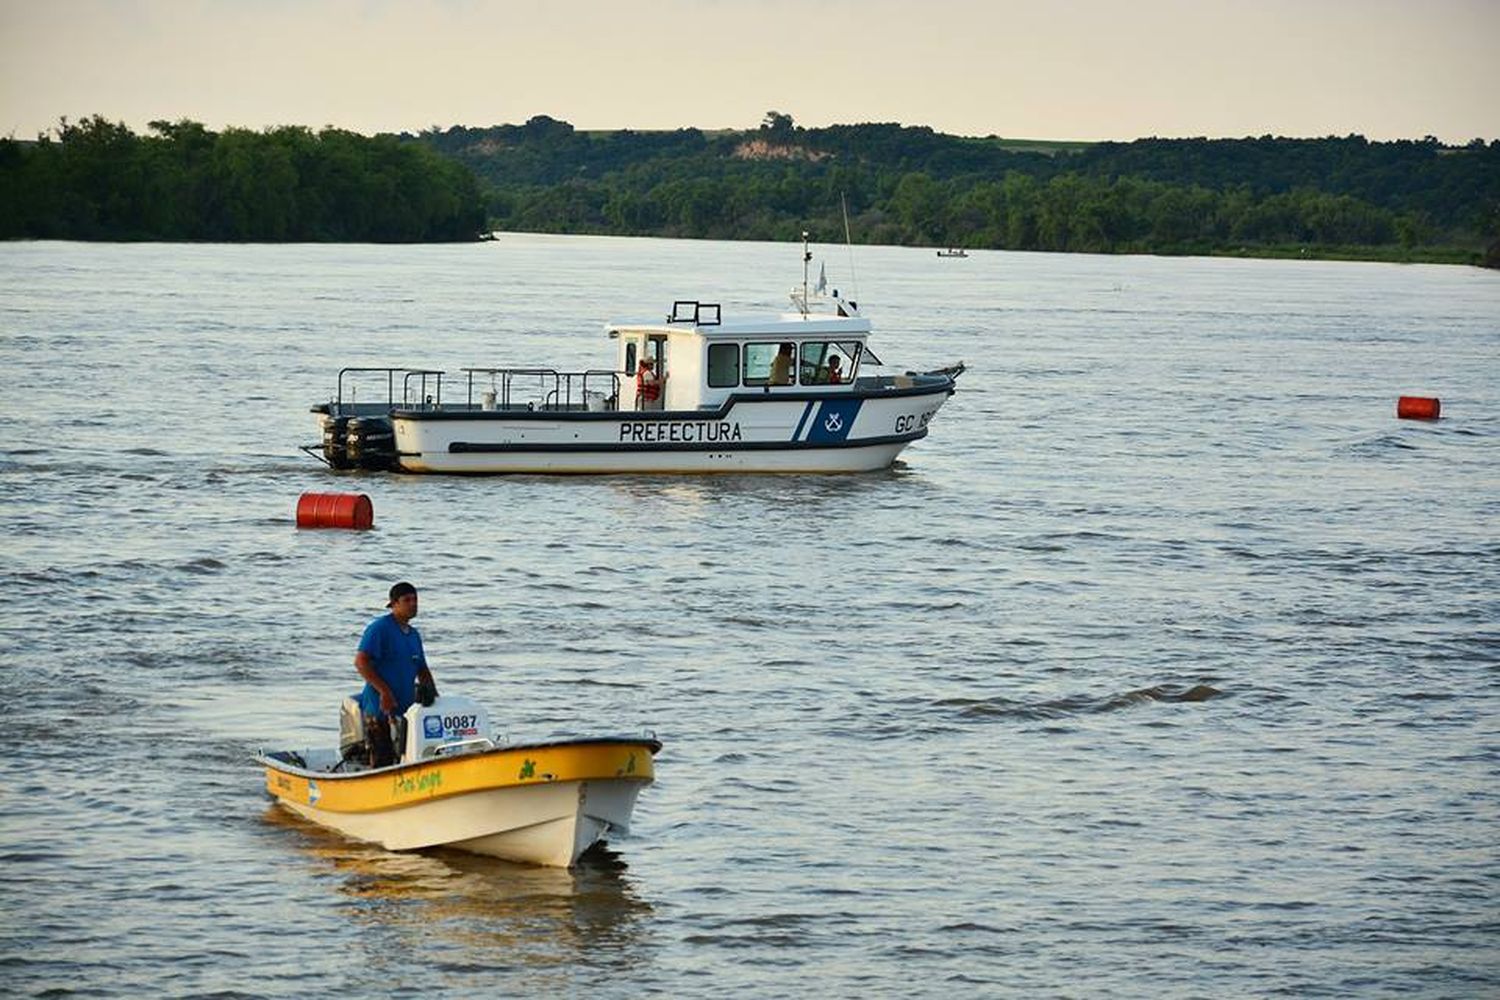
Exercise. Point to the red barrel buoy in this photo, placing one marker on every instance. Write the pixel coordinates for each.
(1418, 408)
(335, 510)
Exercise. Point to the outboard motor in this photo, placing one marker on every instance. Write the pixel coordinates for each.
(335, 442)
(371, 443)
(352, 745)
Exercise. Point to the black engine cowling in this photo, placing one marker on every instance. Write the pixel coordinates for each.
(335, 442)
(371, 443)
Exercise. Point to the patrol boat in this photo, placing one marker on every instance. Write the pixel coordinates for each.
(455, 786)
(693, 393)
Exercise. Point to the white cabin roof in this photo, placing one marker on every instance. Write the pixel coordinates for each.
(788, 326)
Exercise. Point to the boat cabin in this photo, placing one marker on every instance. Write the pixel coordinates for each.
(694, 361)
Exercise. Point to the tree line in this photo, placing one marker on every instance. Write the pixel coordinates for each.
(98, 180)
(911, 185)
(1337, 196)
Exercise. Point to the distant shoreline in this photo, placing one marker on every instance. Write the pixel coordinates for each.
(1371, 254)
(1335, 198)
(1374, 255)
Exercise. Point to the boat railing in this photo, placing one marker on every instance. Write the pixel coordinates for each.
(420, 388)
(476, 745)
(542, 389)
(910, 380)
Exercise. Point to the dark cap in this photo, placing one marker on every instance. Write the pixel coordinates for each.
(399, 591)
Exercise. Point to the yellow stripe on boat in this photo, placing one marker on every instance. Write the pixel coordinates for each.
(412, 784)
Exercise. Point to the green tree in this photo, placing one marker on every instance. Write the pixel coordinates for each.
(777, 123)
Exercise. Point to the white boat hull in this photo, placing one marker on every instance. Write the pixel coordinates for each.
(551, 824)
(864, 459)
(824, 433)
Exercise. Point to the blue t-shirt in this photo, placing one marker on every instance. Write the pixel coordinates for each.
(398, 656)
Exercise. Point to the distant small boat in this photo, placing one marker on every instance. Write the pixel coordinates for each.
(953, 252)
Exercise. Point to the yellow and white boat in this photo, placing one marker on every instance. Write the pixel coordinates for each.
(536, 803)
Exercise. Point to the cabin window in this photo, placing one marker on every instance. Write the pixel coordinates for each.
(826, 362)
(630, 357)
(723, 365)
(770, 364)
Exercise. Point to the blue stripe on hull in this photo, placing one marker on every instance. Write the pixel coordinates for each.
(473, 447)
(797, 434)
(835, 418)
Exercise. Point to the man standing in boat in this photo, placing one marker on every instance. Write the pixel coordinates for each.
(391, 661)
(781, 365)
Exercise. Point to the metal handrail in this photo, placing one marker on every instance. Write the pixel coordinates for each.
(390, 387)
(559, 395)
(463, 746)
(423, 399)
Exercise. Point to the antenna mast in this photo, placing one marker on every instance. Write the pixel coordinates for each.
(806, 260)
(849, 243)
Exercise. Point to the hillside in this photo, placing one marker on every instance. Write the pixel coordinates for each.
(1334, 196)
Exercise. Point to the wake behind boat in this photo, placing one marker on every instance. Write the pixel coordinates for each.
(454, 786)
(695, 392)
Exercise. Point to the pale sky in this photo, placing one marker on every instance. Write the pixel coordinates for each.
(1067, 69)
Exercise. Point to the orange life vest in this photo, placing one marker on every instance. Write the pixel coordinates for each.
(647, 389)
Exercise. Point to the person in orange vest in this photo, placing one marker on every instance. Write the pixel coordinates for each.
(835, 377)
(648, 386)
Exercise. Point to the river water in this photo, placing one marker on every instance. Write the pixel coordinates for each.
(925, 730)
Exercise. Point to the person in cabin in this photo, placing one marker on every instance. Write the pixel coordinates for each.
(835, 376)
(648, 385)
(781, 365)
(391, 660)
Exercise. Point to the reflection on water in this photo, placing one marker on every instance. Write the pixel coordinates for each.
(447, 910)
(711, 489)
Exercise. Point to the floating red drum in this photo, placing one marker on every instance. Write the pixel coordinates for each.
(1418, 408)
(335, 510)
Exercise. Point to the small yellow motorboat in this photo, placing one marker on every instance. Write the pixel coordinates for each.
(536, 803)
